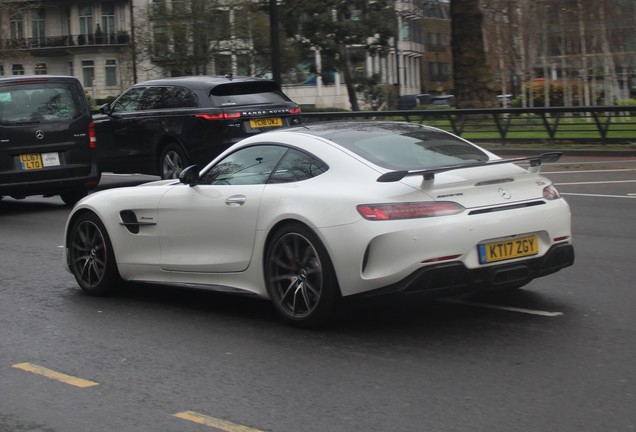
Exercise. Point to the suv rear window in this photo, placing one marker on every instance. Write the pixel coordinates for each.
(46, 103)
(247, 94)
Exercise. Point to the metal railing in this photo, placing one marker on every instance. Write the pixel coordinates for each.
(65, 41)
(602, 125)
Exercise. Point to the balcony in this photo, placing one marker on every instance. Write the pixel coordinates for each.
(57, 42)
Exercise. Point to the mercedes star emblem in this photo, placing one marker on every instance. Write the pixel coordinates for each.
(505, 194)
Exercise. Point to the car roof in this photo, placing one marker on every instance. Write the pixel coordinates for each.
(204, 81)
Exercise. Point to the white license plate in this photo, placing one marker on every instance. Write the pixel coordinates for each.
(50, 159)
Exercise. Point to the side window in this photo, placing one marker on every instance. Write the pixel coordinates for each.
(183, 98)
(129, 101)
(155, 98)
(251, 165)
(297, 166)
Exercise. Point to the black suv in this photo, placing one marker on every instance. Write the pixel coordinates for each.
(47, 139)
(159, 127)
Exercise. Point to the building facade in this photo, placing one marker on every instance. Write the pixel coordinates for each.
(89, 40)
(95, 41)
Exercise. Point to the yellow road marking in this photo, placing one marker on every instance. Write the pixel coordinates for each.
(68, 379)
(214, 422)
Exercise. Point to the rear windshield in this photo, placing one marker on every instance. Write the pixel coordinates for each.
(409, 148)
(48, 102)
(247, 93)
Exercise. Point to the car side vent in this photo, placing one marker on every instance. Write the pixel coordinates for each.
(129, 220)
(507, 207)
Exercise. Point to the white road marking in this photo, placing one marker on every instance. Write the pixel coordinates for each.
(589, 171)
(628, 196)
(595, 182)
(506, 308)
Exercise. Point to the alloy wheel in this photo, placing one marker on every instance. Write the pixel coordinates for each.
(296, 275)
(88, 254)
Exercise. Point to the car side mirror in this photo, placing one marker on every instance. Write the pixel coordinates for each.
(190, 175)
(105, 109)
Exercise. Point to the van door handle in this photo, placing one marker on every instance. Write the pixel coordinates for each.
(236, 200)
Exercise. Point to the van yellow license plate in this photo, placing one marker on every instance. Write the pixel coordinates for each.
(508, 249)
(266, 122)
(35, 161)
(30, 161)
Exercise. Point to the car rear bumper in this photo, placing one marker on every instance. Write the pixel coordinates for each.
(51, 186)
(455, 278)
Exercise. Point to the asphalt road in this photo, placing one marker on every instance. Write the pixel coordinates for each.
(555, 356)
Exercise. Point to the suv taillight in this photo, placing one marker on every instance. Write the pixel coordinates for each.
(218, 116)
(92, 138)
(294, 110)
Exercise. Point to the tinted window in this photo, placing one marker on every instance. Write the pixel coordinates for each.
(183, 98)
(407, 148)
(247, 94)
(251, 165)
(129, 101)
(297, 166)
(155, 98)
(44, 103)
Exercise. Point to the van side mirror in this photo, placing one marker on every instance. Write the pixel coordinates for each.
(190, 175)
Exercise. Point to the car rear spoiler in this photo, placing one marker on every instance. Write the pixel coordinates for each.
(429, 174)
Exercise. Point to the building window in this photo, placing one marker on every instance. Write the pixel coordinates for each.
(67, 22)
(88, 73)
(108, 22)
(16, 25)
(40, 69)
(161, 41)
(70, 69)
(406, 31)
(439, 71)
(86, 23)
(37, 27)
(111, 73)
(1, 70)
(17, 69)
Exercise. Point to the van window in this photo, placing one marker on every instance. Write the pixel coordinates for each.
(47, 103)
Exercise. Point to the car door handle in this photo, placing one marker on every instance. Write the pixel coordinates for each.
(236, 200)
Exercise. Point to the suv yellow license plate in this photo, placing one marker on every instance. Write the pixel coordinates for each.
(35, 161)
(266, 122)
(508, 249)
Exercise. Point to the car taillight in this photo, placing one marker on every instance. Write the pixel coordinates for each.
(411, 210)
(551, 193)
(218, 116)
(92, 138)
(294, 110)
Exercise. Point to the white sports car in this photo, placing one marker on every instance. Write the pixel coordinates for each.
(309, 215)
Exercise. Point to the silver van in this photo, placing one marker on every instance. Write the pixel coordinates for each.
(47, 138)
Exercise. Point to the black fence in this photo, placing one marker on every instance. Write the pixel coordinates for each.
(598, 125)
